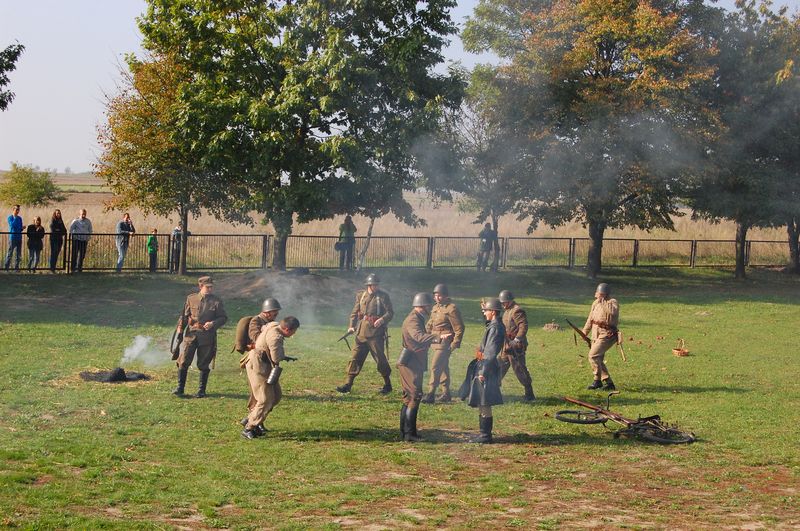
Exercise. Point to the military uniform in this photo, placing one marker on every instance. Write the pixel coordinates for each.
(445, 318)
(602, 325)
(253, 331)
(515, 322)
(370, 307)
(198, 310)
(268, 353)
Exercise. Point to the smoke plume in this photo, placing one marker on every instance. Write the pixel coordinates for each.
(145, 351)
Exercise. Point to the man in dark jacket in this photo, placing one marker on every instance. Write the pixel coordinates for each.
(125, 230)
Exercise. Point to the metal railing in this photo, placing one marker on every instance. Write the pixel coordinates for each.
(206, 252)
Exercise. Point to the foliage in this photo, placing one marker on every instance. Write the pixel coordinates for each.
(8, 60)
(313, 107)
(602, 96)
(28, 186)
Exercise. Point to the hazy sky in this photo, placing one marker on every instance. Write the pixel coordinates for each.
(73, 49)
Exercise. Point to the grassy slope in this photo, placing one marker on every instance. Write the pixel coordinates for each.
(88, 455)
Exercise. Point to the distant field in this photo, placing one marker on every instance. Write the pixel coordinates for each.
(84, 455)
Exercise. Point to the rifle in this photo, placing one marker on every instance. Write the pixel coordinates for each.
(580, 333)
(344, 338)
(619, 346)
(177, 339)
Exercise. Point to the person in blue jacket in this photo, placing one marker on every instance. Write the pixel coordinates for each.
(15, 238)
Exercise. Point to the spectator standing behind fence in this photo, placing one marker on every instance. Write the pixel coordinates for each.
(35, 233)
(57, 233)
(125, 230)
(152, 249)
(488, 238)
(81, 232)
(15, 238)
(175, 258)
(346, 243)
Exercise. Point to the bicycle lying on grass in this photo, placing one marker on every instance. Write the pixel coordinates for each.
(647, 428)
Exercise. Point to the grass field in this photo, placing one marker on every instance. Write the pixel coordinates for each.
(75, 454)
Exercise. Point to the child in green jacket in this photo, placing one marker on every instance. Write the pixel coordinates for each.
(152, 249)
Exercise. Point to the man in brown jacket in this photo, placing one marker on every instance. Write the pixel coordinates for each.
(516, 323)
(267, 355)
(269, 312)
(369, 319)
(202, 315)
(413, 361)
(602, 325)
(445, 318)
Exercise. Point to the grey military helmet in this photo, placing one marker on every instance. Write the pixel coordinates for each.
(372, 279)
(441, 289)
(422, 299)
(270, 305)
(491, 303)
(603, 289)
(506, 296)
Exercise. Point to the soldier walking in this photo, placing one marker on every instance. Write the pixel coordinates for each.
(445, 318)
(368, 320)
(602, 325)
(202, 315)
(269, 312)
(516, 323)
(413, 361)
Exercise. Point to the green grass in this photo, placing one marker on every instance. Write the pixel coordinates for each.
(87, 455)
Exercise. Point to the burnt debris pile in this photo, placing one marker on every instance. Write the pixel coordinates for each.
(117, 375)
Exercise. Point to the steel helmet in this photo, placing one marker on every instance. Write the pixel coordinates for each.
(372, 279)
(491, 303)
(422, 299)
(441, 289)
(270, 305)
(506, 296)
(603, 289)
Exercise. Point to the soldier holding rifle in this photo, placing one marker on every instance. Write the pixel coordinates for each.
(516, 323)
(602, 325)
(445, 318)
(202, 315)
(368, 321)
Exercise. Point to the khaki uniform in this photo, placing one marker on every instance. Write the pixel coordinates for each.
(267, 353)
(253, 331)
(198, 310)
(368, 309)
(516, 323)
(602, 325)
(445, 318)
(416, 340)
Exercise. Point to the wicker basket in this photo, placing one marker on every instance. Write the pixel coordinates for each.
(679, 350)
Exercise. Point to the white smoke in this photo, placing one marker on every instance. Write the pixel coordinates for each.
(143, 350)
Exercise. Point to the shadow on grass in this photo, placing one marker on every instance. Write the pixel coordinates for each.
(678, 389)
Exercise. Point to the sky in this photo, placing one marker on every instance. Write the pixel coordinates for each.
(73, 52)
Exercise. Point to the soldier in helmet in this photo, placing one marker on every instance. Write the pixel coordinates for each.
(413, 362)
(369, 319)
(444, 318)
(202, 314)
(269, 312)
(483, 390)
(602, 325)
(516, 324)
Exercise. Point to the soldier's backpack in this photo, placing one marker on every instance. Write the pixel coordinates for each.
(242, 337)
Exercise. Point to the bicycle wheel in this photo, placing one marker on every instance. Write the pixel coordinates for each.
(664, 435)
(580, 417)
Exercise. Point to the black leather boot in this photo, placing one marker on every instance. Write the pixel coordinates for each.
(201, 390)
(609, 385)
(445, 397)
(428, 398)
(529, 396)
(181, 382)
(387, 386)
(411, 424)
(596, 384)
(485, 424)
(403, 428)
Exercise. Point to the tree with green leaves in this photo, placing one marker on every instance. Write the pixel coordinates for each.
(602, 96)
(27, 186)
(312, 107)
(8, 62)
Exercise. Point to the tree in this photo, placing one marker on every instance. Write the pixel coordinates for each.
(8, 60)
(27, 186)
(313, 108)
(603, 97)
(142, 161)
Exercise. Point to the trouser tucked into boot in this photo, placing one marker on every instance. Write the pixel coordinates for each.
(182, 373)
(201, 389)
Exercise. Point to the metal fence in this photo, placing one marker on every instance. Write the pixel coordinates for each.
(206, 252)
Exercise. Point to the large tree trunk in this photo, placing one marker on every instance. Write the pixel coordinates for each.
(741, 249)
(595, 258)
(184, 214)
(283, 229)
(496, 260)
(793, 233)
(363, 254)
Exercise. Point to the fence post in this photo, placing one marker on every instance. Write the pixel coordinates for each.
(571, 257)
(429, 253)
(693, 254)
(505, 253)
(68, 250)
(635, 253)
(747, 253)
(264, 251)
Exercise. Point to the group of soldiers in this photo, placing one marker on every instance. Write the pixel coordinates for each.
(434, 322)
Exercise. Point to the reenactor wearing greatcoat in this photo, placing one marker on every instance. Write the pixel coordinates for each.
(413, 361)
(269, 312)
(602, 324)
(445, 318)
(368, 320)
(516, 323)
(203, 314)
(261, 365)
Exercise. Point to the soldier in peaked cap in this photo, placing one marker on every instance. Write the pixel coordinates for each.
(516, 322)
(368, 320)
(444, 318)
(202, 315)
(602, 325)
